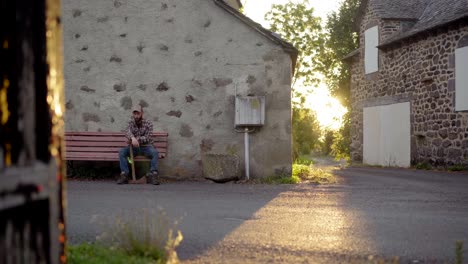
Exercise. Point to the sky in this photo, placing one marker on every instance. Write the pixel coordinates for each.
(256, 9)
(329, 110)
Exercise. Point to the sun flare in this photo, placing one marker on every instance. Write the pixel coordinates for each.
(329, 110)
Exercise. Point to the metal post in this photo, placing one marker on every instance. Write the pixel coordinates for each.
(246, 144)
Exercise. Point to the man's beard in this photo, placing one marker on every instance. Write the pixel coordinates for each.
(138, 121)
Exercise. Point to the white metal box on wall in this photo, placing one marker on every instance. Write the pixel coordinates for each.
(250, 111)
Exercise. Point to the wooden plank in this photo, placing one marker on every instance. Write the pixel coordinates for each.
(100, 149)
(104, 146)
(94, 138)
(106, 139)
(160, 134)
(104, 155)
(107, 144)
(103, 158)
(92, 149)
(106, 159)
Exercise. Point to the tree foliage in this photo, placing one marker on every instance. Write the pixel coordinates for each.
(340, 148)
(306, 131)
(341, 39)
(321, 52)
(296, 23)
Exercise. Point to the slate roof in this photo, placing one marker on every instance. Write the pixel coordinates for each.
(426, 15)
(437, 13)
(399, 9)
(273, 37)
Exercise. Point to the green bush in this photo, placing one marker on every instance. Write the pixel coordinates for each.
(457, 167)
(423, 166)
(340, 148)
(306, 131)
(327, 141)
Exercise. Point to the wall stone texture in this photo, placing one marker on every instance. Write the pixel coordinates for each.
(186, 61)
(420, 71)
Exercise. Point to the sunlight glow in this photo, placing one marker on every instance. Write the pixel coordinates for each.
(256, 9)
(329, 110)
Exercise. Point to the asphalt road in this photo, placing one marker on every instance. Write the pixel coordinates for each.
(371, 213)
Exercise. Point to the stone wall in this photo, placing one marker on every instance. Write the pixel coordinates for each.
(420, 71)
(184, 61)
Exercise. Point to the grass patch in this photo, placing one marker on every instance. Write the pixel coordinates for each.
(144, 234)
(279, 179)
(301, 173)
(303, 160)
(97, 254)
(311, 174)
(459, 252)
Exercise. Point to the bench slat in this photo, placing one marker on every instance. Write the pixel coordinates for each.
(106, 144)
(100, 149)
(98, 156)
(106, 139)
(104, 159)
(161, 134)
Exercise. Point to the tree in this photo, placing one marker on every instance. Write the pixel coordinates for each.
(321, 51)
(341, 39)
(306, 131)
(340, 148)
(296, 23)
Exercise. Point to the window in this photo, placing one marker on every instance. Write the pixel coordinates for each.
(461, 79)
(371, 53)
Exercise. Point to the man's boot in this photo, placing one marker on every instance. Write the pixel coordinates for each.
(123, 178)
(152, 178)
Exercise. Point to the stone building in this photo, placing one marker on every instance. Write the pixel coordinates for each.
(184, 62)
(409, 83)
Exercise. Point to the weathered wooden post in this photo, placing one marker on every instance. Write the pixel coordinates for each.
(32, 202)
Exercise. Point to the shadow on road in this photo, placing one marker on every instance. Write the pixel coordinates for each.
(206, 211)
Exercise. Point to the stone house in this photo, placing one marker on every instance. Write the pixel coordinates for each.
(409, 83)
(184, 62)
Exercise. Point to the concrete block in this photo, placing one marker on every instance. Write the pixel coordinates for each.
(220, 167)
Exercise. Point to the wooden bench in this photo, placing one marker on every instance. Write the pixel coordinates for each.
(105, 146)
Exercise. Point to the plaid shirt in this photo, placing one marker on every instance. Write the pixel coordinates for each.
(142, 134)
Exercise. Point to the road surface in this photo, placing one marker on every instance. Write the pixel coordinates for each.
(371, 213)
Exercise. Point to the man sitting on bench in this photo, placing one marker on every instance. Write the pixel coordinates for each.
(139, 135)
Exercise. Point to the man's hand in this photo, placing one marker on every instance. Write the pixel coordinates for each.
(135, 142)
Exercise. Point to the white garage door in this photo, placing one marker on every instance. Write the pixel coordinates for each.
(387, 135)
